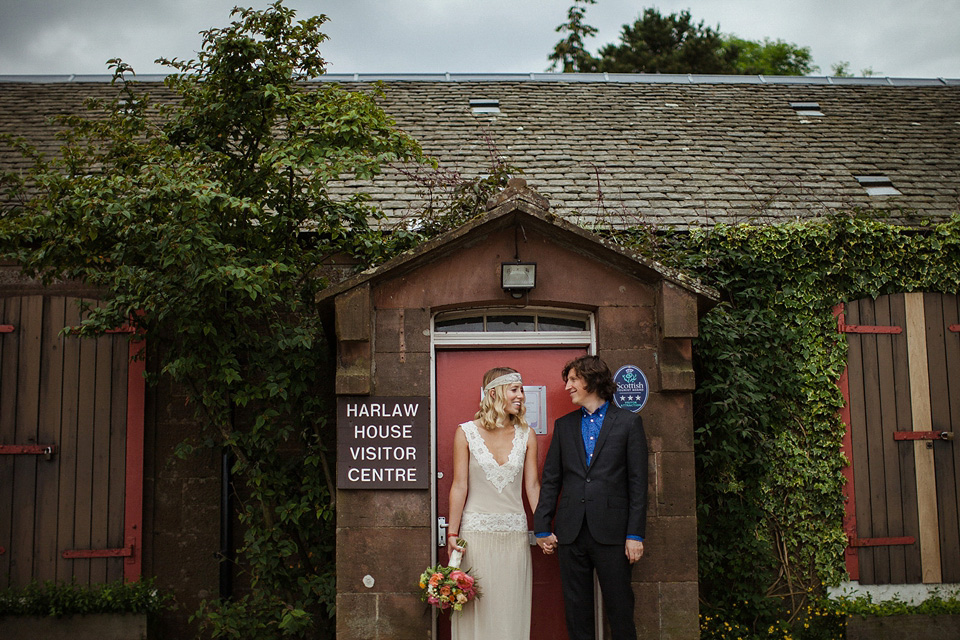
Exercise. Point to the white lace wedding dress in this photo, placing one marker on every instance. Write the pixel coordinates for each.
(498, 549)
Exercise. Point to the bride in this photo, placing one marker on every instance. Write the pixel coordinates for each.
(494, 457)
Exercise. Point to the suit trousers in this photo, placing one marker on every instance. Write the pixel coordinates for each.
(578, 561)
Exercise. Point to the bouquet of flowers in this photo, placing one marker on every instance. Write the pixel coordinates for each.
(448, 587)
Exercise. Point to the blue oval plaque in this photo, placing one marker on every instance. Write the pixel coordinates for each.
(632, 388)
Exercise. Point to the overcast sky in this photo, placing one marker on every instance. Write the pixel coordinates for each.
(899, 38)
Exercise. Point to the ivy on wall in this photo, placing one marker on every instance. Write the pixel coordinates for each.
(768, 433)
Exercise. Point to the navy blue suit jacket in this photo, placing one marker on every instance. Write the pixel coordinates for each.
(610, 494)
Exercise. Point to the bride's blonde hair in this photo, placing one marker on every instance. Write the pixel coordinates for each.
(493, 406)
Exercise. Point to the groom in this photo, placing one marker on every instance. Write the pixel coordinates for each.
(593, 495)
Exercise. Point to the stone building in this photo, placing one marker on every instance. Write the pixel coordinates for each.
(594, 150)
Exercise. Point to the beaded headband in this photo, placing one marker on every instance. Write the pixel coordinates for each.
(509, 378)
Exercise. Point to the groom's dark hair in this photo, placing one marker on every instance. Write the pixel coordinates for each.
(595, 373)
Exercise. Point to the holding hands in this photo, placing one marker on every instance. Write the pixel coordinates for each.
(548, 544)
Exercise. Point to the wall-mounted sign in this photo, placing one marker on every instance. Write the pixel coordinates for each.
(382, 443)
(632, 388)
(535, 397)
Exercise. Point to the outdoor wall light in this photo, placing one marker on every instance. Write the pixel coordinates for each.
(517, 278)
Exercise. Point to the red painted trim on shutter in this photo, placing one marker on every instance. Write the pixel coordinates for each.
(124, 329)
(28, 449)
(863, 328)
(881, 542)
(923, 435)
(850, 504)
(125, 552)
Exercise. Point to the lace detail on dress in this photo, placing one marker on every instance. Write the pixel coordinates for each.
(493, 521)
(498, 475)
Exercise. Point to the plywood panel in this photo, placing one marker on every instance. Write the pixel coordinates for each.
(920, 410)
(908, 479)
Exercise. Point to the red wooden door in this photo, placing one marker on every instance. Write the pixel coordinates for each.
(459, 375)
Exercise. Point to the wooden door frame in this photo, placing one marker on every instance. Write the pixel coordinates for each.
(465, 341)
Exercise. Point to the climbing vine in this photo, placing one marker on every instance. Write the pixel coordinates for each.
(768, 433)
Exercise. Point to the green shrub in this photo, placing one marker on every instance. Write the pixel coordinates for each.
(51, 599)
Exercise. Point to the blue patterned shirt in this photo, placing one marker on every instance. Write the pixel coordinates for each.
(590, 424)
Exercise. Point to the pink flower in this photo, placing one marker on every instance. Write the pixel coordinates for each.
(462, 579)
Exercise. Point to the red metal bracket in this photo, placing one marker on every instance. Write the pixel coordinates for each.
(880, 542)
(125, 552)
(6, 328)
(842, 327)
(923, 435)
(955, 328)
(28, 449)
(124, 329)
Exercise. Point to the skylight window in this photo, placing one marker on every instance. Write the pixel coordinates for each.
(878, 185)
(805, 109)
(485, 105)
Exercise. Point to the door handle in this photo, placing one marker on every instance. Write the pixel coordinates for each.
(441, 531)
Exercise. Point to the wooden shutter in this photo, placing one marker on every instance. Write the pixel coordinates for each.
(71, 453)
(903, 401)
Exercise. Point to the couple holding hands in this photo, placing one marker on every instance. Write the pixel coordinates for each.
(589, 504)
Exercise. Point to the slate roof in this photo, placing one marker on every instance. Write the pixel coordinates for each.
(517, 204)
(671, 150)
